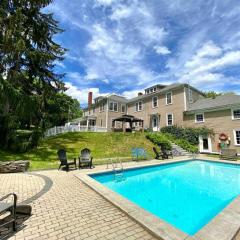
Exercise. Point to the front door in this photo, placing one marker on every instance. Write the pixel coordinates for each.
(205, 144)
(155, 123)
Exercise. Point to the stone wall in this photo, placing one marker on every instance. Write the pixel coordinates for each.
(14, 166)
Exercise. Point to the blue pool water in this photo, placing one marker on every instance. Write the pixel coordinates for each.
(187, 194)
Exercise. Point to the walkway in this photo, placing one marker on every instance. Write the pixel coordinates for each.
(68, 210)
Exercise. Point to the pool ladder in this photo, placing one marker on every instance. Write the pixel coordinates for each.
(118, 171)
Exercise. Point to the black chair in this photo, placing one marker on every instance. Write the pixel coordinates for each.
(85, 158)
(166, 153)
(62, 156)
(158, 153)
(11, 208)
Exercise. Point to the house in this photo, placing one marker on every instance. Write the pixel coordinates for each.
(175, 104)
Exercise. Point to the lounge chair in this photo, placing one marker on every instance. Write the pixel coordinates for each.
(158, 154)
(166, 153)
(85, 158)
(228, 154)
(62, 156)
(138, 153)
(10, 207)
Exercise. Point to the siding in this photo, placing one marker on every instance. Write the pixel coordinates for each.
(220, 121)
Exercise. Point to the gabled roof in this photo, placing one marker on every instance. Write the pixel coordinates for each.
(224, 101)
(163, 90)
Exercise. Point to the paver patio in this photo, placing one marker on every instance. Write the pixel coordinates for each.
(65, 208)
(69, 210)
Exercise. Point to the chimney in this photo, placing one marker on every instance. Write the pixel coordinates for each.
(140, 94)
(90, 97)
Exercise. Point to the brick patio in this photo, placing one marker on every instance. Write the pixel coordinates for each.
(69, 210)
(65, 208)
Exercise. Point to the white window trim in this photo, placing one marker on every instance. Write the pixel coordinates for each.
(235, 109)
(167, 119)
(125, 106)
(113, 106)
(153, 102)
(137, 110)
(196, 117)
(103, 105)
(235, 137)
(171, 98)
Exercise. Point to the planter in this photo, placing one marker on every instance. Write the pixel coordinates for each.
(14, 166)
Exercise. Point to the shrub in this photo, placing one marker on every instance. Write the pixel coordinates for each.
(159, 139)
(189, 134)
(186, 145)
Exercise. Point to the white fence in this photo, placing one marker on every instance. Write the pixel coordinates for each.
(73, 128)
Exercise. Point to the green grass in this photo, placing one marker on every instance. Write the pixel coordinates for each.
(102, 145)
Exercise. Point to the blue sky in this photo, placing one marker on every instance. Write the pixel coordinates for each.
(121, 46)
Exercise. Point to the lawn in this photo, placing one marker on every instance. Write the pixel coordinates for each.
(102, 145)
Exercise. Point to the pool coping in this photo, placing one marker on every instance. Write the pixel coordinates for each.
(224, 226)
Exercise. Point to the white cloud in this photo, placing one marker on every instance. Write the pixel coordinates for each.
(161, 50)
(132, 93)
(81, 94)
(105, 2)
(121, 12)
(209, 49)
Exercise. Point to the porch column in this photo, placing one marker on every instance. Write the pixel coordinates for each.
(87, 125)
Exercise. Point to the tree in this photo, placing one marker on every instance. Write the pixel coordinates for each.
(27, 58)
(213, 94)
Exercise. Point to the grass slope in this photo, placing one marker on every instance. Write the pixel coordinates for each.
(102, 145)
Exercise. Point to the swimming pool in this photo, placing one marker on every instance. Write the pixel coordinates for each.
(185, 194)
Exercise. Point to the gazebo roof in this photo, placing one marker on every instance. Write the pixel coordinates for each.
(127, 118)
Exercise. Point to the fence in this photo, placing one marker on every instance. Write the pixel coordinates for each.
(73, 128)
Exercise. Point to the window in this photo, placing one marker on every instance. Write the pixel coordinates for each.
(101, 123)
(169, 98)
(138, 106)
(169, 119)
(154, 89)
(102, 106)
(236, 114)
(199, 118)
(154, 101)
(113, 106)
(123, 108)
(190, 95)
(237, 137)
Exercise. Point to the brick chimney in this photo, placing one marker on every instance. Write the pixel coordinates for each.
(90, 98)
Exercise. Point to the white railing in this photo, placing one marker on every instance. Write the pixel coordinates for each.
(73, 128)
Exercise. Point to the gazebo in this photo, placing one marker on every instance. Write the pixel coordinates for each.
(127, 119)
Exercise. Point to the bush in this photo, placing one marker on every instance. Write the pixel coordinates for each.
(189, 134)
(159, 139)
(186, 145)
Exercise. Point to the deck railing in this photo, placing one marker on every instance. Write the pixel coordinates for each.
(73, 128)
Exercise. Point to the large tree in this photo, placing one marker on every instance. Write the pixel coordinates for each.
(28, 55)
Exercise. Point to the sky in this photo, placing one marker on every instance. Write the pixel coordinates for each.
(124, 46)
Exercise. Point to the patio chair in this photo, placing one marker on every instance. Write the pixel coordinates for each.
(138, 153)
(166, 153)
(228, 154)
(62, 156)
(85, 158)
(158, 154)
(8, 207)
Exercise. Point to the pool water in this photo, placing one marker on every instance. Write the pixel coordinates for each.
(187, 195)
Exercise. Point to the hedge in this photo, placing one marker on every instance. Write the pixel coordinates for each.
(159, 139)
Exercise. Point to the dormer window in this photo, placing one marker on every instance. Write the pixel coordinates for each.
(154, 89)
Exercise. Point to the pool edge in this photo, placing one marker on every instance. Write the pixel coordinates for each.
(224, 226)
